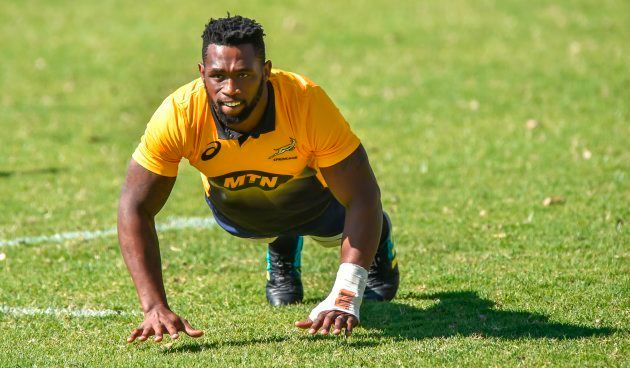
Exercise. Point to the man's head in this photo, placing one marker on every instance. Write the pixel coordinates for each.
(234, 31)
(234, 69)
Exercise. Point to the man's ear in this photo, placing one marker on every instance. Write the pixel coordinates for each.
(267, 69)
(201, 69)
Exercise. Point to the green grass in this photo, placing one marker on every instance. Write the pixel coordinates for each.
(439, 92)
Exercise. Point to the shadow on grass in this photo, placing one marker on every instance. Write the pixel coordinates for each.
(193, 347)
(456, 313)
(464, 313)
(46, 170)
(197, 347)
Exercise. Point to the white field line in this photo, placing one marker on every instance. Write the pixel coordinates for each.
(171, 224)
(28, 311)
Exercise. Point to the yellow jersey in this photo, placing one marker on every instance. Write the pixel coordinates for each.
(266, 181)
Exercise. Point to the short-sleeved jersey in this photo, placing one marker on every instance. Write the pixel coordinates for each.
(268, 180)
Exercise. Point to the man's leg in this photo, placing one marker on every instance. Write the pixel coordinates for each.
(284, 283)
(383, 275)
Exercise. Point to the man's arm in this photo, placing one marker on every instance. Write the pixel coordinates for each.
(353, 183)
(143, 195)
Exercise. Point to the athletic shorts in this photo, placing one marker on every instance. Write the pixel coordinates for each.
(326, 229)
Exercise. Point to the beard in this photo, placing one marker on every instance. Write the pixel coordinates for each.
(228, 120)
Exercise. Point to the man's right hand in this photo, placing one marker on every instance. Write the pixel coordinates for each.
(142, 197)
(159, 321)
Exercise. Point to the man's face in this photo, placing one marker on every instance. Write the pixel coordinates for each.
(234, 80)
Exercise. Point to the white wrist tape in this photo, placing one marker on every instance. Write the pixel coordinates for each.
(347, 293)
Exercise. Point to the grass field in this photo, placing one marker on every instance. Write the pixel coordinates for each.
(473, 114)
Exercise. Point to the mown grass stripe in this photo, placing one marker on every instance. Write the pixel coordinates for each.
(170, 224)
(30, 311)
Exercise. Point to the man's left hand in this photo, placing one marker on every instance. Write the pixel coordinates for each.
(327, 320)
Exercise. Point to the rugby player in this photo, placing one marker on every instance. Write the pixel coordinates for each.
(278, 162)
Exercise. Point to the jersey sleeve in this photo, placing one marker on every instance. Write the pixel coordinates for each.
(329, 135)
(162, 145)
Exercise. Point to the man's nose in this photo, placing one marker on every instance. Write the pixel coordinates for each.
(230, 88)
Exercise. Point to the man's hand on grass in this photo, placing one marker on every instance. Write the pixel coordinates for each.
(159, 321)
(327, 320)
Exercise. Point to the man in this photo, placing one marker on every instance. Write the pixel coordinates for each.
(278, 162)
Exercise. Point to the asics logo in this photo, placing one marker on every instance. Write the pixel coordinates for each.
(211, 151)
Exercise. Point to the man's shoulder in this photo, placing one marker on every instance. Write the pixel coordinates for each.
(290, 80)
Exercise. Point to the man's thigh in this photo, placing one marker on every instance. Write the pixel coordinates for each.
(326, 229)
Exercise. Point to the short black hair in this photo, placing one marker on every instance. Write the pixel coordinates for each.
(233, 31)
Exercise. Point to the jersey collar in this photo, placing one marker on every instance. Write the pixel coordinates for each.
(267, 122)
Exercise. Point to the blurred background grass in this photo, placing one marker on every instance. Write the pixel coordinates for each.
(472, 112)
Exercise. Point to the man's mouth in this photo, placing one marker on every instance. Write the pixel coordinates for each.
(231, 103)
(232, 108)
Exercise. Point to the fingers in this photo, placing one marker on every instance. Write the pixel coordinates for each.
(146, 333)
(157, 328)
(340, 322)
(328, 321)
(304, 324)
(190, 331)
(318, 322)
(172, 330)
(350, 324)
(134, 334)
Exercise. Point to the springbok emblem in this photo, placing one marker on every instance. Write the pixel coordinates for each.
(284, 149)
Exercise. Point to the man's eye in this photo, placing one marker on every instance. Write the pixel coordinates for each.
(243, 75)
(217, 76)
